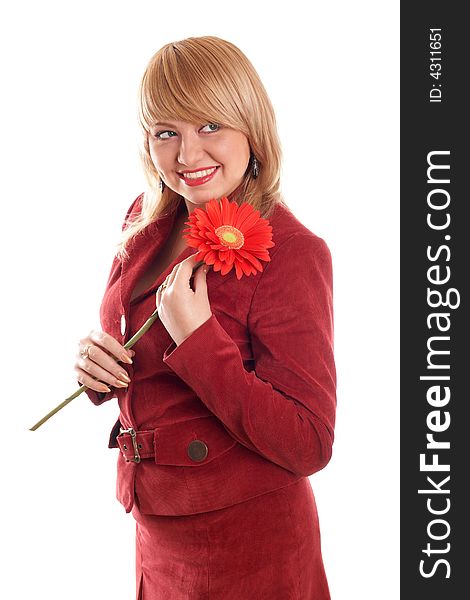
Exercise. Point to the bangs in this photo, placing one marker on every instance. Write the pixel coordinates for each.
(180, 84)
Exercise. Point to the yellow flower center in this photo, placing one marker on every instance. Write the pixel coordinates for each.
(230, 236)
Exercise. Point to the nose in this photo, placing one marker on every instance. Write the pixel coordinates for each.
(190, 150)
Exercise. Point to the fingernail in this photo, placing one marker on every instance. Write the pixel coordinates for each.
(126, 358)
(124, 377)
(105, 388)
(121, 383)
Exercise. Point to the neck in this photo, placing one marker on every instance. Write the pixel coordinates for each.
(233, 196)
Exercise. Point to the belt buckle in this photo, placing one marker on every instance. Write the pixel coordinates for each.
(133, 435)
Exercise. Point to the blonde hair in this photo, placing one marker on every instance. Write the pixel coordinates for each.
(206, 79)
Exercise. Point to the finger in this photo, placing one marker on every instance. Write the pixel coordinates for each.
(159, 293)
(188, 263)
(111, 345)
(190, 259)
(164, 283)
(185, 271)
(169, 280)
(200, 280)
(158, 297)
(85, 379)
(98, 372)
(106, 362)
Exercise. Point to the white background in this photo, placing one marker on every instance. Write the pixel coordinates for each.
(70, 169)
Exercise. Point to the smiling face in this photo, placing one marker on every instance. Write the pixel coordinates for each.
(199, 161)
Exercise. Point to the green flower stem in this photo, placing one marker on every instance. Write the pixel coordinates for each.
(145, 327)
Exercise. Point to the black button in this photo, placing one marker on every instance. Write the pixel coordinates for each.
(197, 450)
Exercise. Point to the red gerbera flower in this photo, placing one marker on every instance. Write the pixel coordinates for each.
(227, 235)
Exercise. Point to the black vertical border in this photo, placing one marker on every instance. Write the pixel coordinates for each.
(425, 127)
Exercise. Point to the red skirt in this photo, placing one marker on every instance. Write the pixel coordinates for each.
(265, 548)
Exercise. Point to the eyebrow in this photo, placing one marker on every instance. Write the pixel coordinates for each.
(161, 124)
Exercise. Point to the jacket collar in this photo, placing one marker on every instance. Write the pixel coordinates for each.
(143, 249)
(149, 242)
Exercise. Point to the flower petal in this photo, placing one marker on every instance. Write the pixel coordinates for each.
(226, 268)
(257, 236)
(213, 211)
(249, 257)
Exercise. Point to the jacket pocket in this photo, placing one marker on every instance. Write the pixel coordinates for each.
(191, 443)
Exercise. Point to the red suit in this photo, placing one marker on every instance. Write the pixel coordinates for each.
(243, 406)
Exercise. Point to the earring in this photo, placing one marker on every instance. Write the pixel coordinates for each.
(254, 167)
(161, 185)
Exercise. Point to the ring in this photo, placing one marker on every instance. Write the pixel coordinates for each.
(85, 351)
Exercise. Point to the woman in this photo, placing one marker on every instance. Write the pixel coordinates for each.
(228, 403)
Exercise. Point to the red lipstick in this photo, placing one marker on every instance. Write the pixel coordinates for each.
(200, 180)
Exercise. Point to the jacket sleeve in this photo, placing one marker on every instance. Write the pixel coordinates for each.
(285, 408)
(101, 397)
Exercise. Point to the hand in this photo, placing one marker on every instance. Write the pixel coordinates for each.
(180, 309)
(104, 352)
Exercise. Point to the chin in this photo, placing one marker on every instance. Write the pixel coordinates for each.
(203, 196)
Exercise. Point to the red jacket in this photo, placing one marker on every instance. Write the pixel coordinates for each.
(255, 384)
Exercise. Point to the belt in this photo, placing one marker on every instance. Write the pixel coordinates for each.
(137, 448)
(185, 443)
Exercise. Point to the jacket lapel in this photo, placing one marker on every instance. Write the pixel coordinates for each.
(142, 251)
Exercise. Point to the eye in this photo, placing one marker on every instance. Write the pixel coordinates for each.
(162, 135)
(215, 125)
